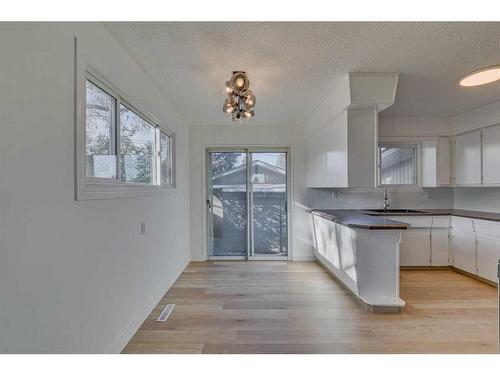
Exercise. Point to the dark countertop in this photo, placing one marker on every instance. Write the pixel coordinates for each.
(365, 219)
(358, 219)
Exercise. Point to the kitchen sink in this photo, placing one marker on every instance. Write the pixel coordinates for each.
(395, 211)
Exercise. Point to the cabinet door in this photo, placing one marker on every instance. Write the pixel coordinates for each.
(464, 250)
(488, 254)
(416, 248)
(468, 159)
(440, 246)
(429, 163)
(491, 155)
(443, 162)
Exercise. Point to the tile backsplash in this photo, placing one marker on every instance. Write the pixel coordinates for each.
(477, 198)
(358, 198)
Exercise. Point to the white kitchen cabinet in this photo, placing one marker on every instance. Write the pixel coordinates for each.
(467, 159)
(488, 248)
(440, 247)
(436, 162)
(464, 244)
(491, 155)
(440, 241)
(416, 247)
(443, 161)
(426, 243)
(429, 163)
(488, 254)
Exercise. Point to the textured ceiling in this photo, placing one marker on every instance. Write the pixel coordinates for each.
(293, 66)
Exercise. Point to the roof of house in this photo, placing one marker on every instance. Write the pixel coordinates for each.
(260, 163)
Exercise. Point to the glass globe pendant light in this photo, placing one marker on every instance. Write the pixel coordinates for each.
(240, 100)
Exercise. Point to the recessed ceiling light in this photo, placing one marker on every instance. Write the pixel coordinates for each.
(481, 77)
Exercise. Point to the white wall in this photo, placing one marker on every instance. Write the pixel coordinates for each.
(477, 118)
(330, 108)
(76, 276)
(477, 198)
(246, 134)
(414, 126)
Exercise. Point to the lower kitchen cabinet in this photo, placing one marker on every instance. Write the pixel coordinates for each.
(488, 248)
(488, 253)
(464, 250)
(440, 247)
(416, 248)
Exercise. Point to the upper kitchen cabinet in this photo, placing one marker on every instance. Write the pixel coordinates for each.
(467, 159)
(491, 155)
(436, 162)
(342, 134)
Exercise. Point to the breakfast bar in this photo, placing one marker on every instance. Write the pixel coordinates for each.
(362, 252)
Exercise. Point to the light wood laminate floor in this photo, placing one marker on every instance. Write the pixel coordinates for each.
(297, 307)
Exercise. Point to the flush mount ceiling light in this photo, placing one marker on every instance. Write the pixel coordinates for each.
(240, 101)
(482, 76)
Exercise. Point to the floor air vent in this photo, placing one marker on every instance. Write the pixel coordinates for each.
(166, 313)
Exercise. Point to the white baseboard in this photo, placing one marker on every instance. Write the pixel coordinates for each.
(125, 337)
(304, 257)
(198, 259)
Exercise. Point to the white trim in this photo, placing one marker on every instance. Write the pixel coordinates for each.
(124, 338)
(226, 257)
(305, 257)
(102, 188)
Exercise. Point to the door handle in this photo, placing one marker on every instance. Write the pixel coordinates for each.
(208, 203)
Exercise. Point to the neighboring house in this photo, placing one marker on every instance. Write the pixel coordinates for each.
(268, 183)
(264, 177)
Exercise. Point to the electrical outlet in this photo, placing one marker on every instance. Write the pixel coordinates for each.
(143, 228)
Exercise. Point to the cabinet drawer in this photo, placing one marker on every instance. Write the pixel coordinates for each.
(462, 224)
(487, 227)
(441, 221)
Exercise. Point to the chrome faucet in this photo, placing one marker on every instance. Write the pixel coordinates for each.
(386, 200)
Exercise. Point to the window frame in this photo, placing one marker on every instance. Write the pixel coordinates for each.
(105, 188)
(155, 127)
(413, 145)
(171, 139)
(114, 131)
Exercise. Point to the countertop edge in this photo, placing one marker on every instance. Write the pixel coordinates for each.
(348, 218)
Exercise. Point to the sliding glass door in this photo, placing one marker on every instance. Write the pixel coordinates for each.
(247, 204)
(268, 203)
(228, 204)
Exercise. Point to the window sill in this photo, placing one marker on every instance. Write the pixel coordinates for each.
(109, 190)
